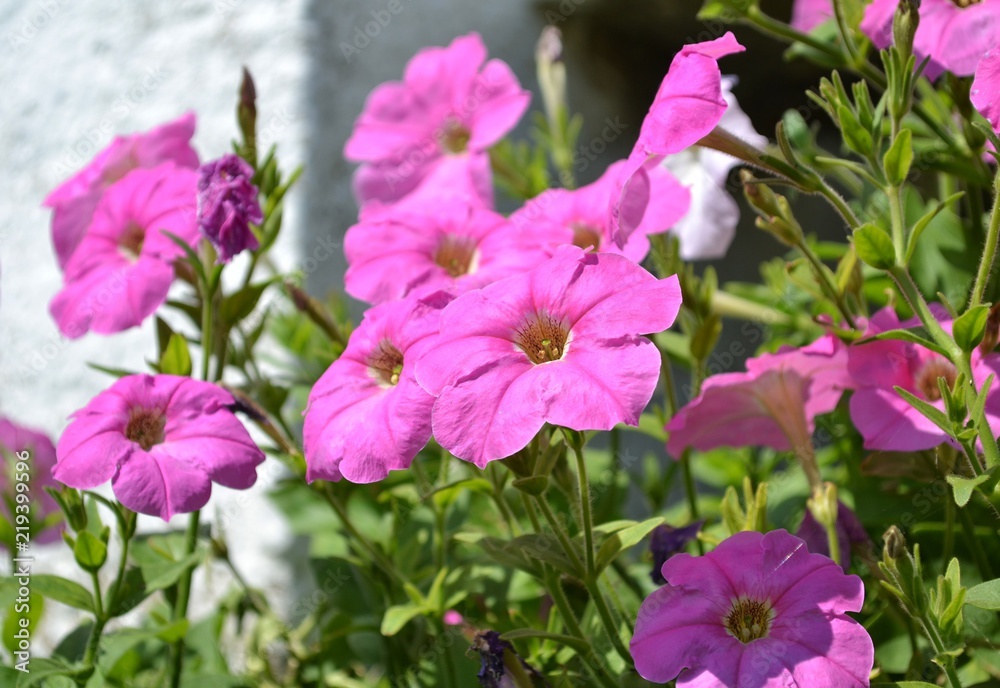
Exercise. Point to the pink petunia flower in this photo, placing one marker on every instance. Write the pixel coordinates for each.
(425, 246)
(580, 217)
(18, 445)
(560, 344)
(773, 404)
(74, 201)
(162, 440)
(885, 419)
(687, 107)
(758, 611)
(367, 415)
(808, 14)
(954, 34)
(227, 204)
(449, 104)
(985, 93)
(122, 270)
(707, 229)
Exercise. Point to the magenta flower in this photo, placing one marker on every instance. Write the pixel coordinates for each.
(885, 419)
(227, 204)
(687, 108)
(808, 14)
(758, 611)
(162, 440)
(421, 247)
(580, 217)
(20, 444)
(560, 344)
(122, 269)
(466, 178)
(74, 201)
(954, 34)
(449, 104)
(985, 93)
(773, 404)
(367, 415)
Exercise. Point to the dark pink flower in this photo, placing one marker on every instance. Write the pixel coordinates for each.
(560, 344)
(32, 447)
(758, 611)
(581, 217)
(985, 93)
(449, 104)
(73, 202)
(162, 440)
(773, 404)
(687, 107)
(227, 204)
(954, 35)
(885, 419)
(122, 269)
(367, 415)
(421, 247)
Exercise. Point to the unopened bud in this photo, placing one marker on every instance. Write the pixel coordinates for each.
(895, 543)
(823, 505)
(551, 73)
(904, 25)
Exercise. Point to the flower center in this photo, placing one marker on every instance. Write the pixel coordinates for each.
(543, 339)
(749, 619)
(927, 377)
(131, 241)
(456, 254)
(585, 235)
(145, 426)
(454, 137)
(385, 362)
(965, 3)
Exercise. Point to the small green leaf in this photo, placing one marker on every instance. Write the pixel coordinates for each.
(857, 138)
(90, 551)
(176, 359)
(932, 413)
(970, 327)
(398, 616)
(61, 590)
(532, 485)
(985, 595)
(899, 158)
(874, 247)
(906, 336)
(238, 306)
(624, 539)
(964, 487)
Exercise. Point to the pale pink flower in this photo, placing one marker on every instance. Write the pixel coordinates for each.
(451, 102)
(985, 93)
(19, 444)
(122, 269)
(758, 611)
(73, 202)
(561, 344)
(367, 415)
(162, 440)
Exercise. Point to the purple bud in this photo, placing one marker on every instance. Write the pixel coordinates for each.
(501, 666)
(227, 204)
(667, 541)
(850, 532)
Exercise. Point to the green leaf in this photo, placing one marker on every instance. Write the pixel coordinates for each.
(42, 670)
(970, 327)
(874, 247)
(236, 307)
(12, 624)
(61, 590)
(176, 359)
(90, 551)
(906, 336)
(985, 595)
(899, 158)
(160, 562)
(925, 221)
(398, 616)
(932, 413)
(857, 138)
(113, 372)
(704, 338)
(624, 539)
(964, 487)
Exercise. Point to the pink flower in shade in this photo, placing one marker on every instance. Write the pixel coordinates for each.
(773, 404)
(580, 217)
(467, 178)
(73, 202)
(954, 35)
(560, 344)
(367, 415)
(758, 611)
(453, 618)
(227, 204)
(985, 93)
(122, 269)
(688, 106)
(421, 247)
(808, 14)
(708, 228)
(885, 419)
(162, 440)
(34, 448)
(449, 104)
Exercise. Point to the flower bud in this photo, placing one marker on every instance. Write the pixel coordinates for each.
(904, 25)
(227, 204)
(895, 543)
(551, 73)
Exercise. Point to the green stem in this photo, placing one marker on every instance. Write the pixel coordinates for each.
(450, 675)
(598, 669)
(561, 535)
(898, 223)
(377, 557)
(183, 597)
(608, 619)
(577, 440)
(989, 253)
(833, 542)
(839, 204)
(948, 547)
(206, 333)
(845, 30)
(777, 29)
(976, 545)
(824, 279)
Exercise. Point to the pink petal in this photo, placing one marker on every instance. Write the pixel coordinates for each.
(499, 102)
(889, 423)
(985, 92)
(157, 484)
